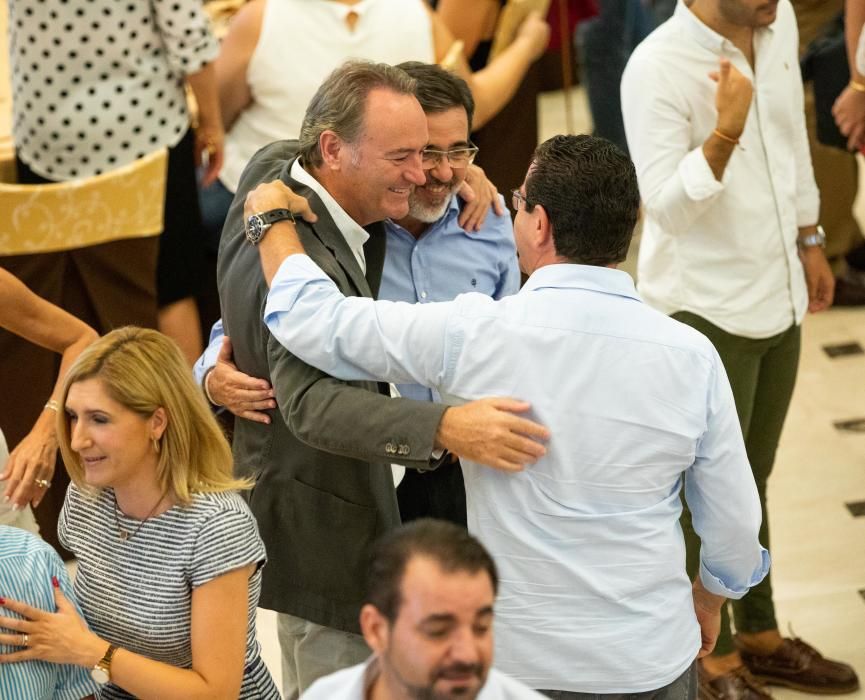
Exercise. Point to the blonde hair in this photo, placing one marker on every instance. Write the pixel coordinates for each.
(143, 370)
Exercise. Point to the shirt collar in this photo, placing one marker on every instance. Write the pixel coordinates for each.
(606, 280)
(353, 232)
(704, 35)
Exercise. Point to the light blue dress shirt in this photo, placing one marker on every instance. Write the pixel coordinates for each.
(27, 564)
(594, 596)
(444, 262)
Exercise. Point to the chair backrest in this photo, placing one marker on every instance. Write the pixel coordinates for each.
(127, 202)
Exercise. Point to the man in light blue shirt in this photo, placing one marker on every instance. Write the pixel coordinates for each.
(594, 595)
(430, 257)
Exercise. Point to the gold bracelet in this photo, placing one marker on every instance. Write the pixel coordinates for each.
(729, 139)
(52, 405)
(857, 86)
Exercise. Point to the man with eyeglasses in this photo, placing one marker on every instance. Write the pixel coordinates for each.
(594, 596)
(429, 258)
(323, 485)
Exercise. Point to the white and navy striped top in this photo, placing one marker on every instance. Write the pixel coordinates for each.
(26, 567)
(137, 593)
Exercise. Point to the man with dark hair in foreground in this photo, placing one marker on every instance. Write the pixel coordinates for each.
(594, 594)
(428, 618)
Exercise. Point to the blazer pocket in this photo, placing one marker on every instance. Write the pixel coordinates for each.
(327, 541)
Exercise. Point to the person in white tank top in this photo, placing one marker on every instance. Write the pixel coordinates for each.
(277, 52)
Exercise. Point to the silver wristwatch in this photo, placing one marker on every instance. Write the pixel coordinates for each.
(257, 224)
(818, 238)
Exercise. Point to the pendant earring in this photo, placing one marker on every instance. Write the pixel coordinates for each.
(156, 445)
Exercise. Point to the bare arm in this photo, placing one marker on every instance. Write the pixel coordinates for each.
(209, 135)
(470, 22)
(854, 21)
(818, 275)
(707, 608)
(233, 60)
(733, 100)
(24, 313)
(495, 85)
(849, 108)
(219, 620)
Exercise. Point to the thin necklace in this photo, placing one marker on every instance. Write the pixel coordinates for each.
(124, 534)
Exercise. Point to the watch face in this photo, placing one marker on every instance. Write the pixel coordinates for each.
(254, 228)
(99, 674)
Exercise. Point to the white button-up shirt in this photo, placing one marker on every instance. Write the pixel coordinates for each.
(355, 234)
(593, 593)
(723, 250)
(355, 682)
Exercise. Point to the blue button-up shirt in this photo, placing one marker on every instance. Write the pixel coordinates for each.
(594, 596)
(444, 262)
(447, 261)
(26, 567)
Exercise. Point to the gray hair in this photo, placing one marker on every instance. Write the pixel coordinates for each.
(339, 103)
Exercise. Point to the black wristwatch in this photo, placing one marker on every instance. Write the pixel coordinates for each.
(257, 224)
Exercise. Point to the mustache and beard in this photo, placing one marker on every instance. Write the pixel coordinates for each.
(427, 205)
(429, 692)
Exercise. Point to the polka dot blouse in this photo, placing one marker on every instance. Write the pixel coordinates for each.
(97, 84)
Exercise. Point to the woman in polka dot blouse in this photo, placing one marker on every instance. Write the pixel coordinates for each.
(97, 85)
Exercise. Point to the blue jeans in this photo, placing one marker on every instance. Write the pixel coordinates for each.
(214, 202)
(683, 688)
(607, 41)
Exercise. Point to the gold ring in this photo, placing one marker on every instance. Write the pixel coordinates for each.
(25, 640)
(42, 483)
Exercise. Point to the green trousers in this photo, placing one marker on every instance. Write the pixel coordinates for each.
(762, 374)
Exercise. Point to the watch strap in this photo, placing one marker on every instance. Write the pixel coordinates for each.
(101, 672)
(818, 238)
(274, 215)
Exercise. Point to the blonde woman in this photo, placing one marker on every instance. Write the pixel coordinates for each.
(169, 556)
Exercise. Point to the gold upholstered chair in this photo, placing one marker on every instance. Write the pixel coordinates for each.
(89, 246)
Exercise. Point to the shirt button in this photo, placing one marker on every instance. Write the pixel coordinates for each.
(423, 295)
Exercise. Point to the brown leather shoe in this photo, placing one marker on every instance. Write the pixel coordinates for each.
(738, 684)
(800, 666)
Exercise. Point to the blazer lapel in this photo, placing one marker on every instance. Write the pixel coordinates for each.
(329, 234)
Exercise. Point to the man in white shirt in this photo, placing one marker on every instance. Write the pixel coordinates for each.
(594, 594)
(713, 109)
(429, 622)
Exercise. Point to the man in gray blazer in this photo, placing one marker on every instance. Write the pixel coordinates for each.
(324, 490)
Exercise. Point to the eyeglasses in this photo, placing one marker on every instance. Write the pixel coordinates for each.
(457, 157)
(516, 198)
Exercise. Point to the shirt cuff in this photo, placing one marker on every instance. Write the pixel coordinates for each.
(808, 211)
(698, 180)
(716, 585)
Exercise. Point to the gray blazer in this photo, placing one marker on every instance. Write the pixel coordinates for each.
(324, 490)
